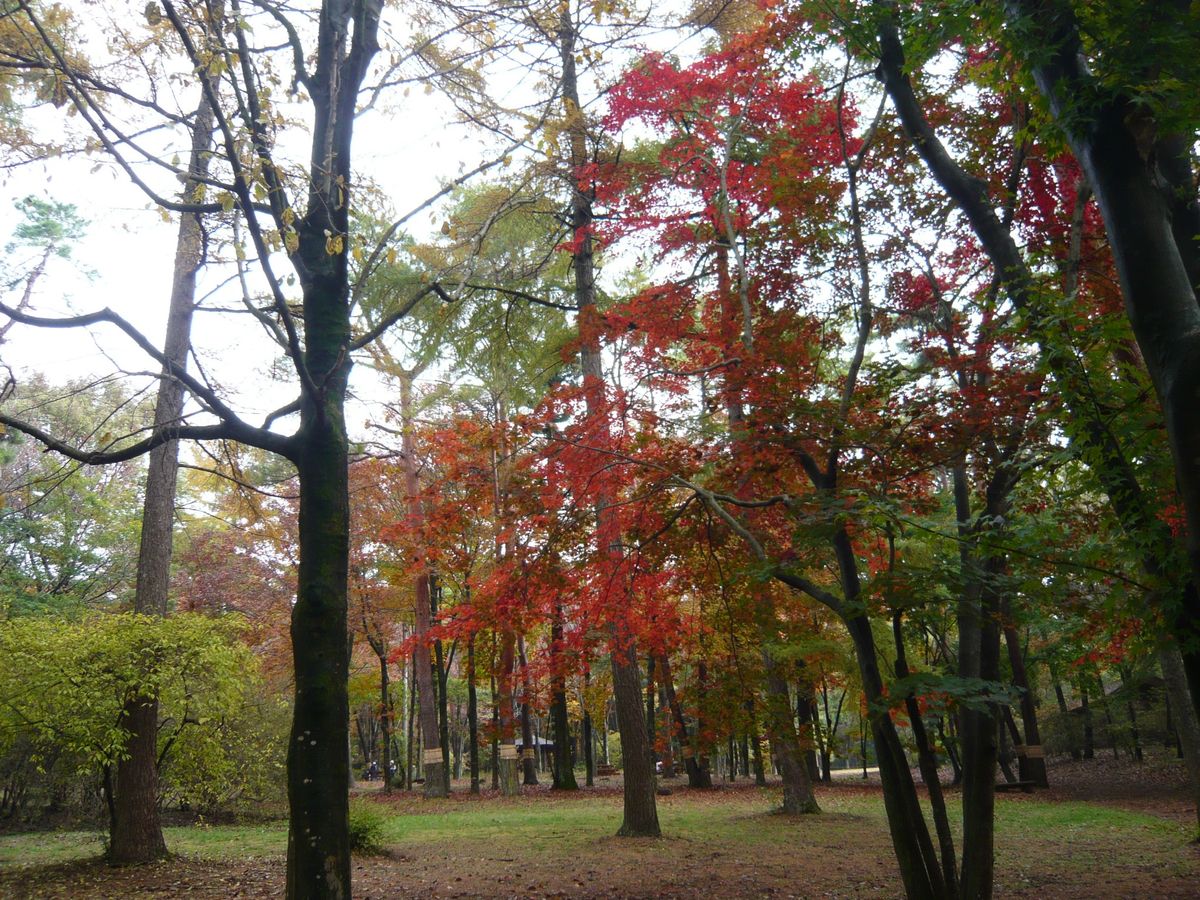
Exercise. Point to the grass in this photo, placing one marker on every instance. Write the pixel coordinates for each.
(1037, 841)
(204, 841)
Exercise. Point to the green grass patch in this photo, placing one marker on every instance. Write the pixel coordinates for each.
(205, 841)
(228, 841)
(49, 847)
(1070, 836)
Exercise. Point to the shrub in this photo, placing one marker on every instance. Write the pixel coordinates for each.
(367, 821)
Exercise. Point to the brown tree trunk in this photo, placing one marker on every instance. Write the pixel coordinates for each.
(564, 759)
(472, 716)
(1067, 719)
(810, 734)
(1089, 733)
(640, 809)
(509, 764)
(589, 739)
(136, 832)
(318, 765)
(432, 768)
(1186, 726)
(410, 743)
(1135, 738)
(529, 749)
(1031, 759)
(651, 692)
(441, 674)
(385, 722)
(920, 868)
(1107, 130)
(927, 761)
(136, 829)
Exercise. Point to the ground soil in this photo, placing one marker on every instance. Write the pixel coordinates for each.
(846, 856)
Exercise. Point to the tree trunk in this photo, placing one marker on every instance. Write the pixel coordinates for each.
(135, 827)
(756, 754)
(920, 868)
(810, 734)
(830, 729)
(927, 761)
(651, 691)
(529, 749)
(411, 735)
(1067, 719)
(1130, 690)
(318, 767)
(432, 767)
(318, 863)
(669, 744)
(1089, 734)
(385, 721)
(978, 732)
(1031, 759)
(508, 763)
(697, 777)
(472, 715)
(564, 759)
(604, 741)
(136, 830)
(440, 675)
(495, 741)
(1106, 130)
(589, 738)
(589, 751)
(1187, 729)
(640, 809)
(798, 796)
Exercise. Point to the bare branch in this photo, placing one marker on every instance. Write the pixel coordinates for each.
(233, 426)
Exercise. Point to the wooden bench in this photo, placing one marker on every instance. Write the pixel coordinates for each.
(604, 771)
(1005, 786)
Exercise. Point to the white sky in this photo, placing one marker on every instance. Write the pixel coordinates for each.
(129, 248)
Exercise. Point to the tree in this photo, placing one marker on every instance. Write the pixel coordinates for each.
(316, 239)
(1131, 122)
(65, 686)
(640, 810)
(67, 533)
(137, 832)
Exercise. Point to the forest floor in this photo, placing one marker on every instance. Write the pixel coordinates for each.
(1106, 829)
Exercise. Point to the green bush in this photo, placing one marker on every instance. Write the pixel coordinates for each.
(64, 684)
(367, 821)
